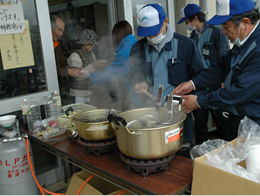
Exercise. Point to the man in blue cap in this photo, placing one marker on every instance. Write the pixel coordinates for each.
(239, 68)
(212, 45)
(162, 57)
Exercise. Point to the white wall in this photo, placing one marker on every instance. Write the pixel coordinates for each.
(211, 8)
(257, 3)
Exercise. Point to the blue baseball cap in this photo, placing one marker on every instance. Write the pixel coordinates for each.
(226, 9)
(187, 11)
(151, 18)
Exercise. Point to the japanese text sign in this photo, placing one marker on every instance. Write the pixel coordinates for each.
(11, 17)
(16, 49)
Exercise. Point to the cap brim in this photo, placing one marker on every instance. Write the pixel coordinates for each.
(181, 20)
(217, 20)
(149, 31)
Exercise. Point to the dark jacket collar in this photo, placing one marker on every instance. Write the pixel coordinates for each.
(253, 37)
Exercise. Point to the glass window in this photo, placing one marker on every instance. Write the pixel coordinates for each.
(79, 15)
(37, 78)
(25, 79)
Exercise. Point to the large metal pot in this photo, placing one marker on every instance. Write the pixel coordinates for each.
(93, 125)
(150, 143)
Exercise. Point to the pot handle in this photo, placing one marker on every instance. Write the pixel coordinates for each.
(174, 98)
(130, 132)
(67, 112)
(112, 118)
(120, 121)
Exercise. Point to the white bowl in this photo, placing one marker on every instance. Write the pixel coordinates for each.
(7, 121)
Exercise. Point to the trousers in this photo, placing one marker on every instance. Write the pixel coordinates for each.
(201, 124)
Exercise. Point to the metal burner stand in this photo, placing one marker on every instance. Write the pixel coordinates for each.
(99, 147)
(144, 166)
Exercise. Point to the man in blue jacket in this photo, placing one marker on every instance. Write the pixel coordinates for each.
(239, 68)
(162, 57)
(212, 45)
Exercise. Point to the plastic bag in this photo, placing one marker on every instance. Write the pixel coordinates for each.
(248, 133)
(225, 156)
(249, 141)
(206, 147)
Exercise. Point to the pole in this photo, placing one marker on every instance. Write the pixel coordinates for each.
(204, 7)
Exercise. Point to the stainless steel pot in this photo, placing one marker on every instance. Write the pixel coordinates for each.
(149, 143)
(93, 124)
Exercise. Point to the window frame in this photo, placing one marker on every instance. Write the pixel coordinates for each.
(14, 103)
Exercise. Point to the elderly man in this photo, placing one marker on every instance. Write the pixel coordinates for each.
(162, 57)
(63, 69)
(212, 45)
(239, 68)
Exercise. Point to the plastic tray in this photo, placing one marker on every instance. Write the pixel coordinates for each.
(79, 107)
(55, 133)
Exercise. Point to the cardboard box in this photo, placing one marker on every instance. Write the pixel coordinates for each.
(208, 180)
(95, 186)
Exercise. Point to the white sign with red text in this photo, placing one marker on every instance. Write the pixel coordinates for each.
(173, 135)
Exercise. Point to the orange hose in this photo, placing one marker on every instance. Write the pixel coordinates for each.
(81, 187)
(32, 170)
(35, 179)
(122, 192)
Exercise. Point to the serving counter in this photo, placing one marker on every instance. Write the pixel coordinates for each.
(109, 166)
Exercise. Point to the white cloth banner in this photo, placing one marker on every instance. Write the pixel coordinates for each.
(11, 17)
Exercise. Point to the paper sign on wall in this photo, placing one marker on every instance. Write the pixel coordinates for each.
(16, 49)
(11, 17)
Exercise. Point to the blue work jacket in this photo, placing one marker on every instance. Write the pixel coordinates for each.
(119, 67)
(212, 44)
(243, 92)
(180, 66)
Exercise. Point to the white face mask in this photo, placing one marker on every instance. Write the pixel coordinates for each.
(157, 39)
(237, 41)
(190, 28)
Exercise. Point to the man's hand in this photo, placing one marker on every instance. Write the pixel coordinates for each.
(190, 103)
(140, 87)
(183, 88)
(76, 73)
(99, 64)
(110, 61)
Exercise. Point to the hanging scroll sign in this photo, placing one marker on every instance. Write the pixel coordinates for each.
(11, 17)
(15, 40)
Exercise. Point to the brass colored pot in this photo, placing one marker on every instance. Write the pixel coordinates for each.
(152, 143)
(88, 130)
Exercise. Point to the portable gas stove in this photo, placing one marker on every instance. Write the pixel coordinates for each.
(145, 166)
(99, 147)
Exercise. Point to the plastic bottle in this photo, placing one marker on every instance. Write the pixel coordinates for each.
(25, 110)
(49, 110)
(57, 106)
(34, 117)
